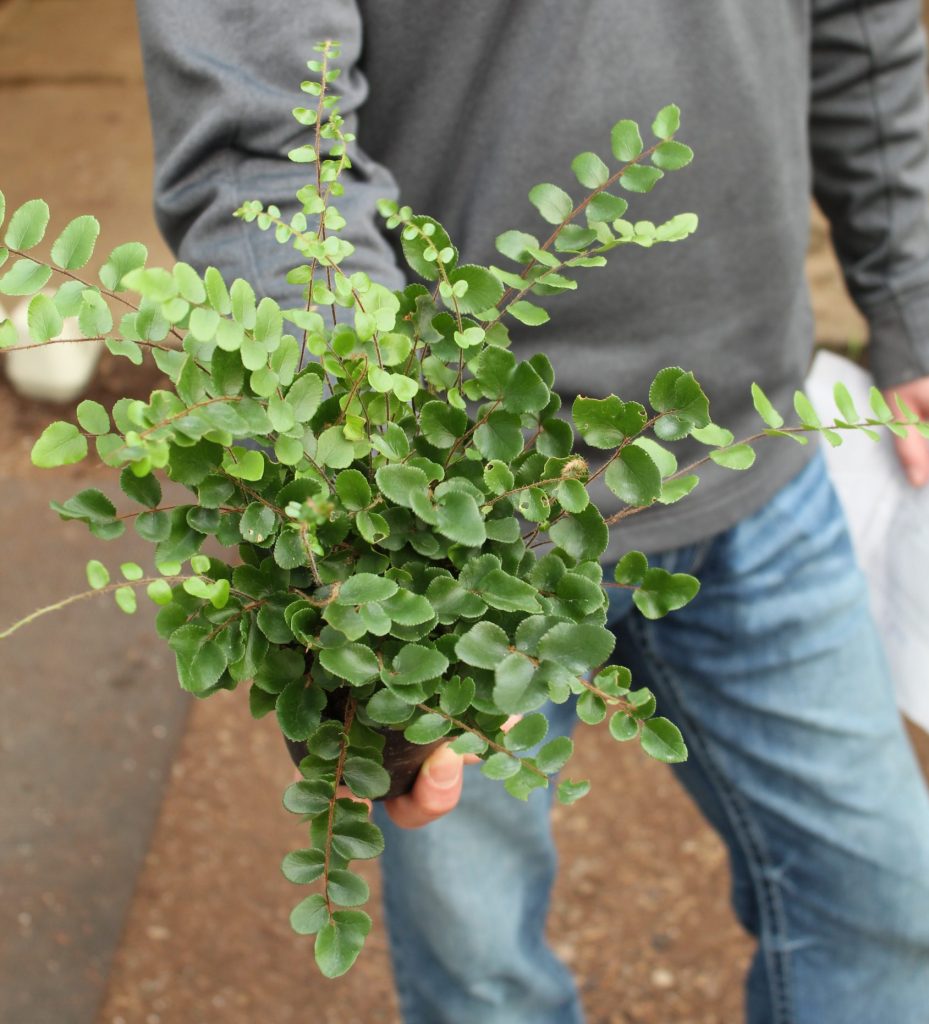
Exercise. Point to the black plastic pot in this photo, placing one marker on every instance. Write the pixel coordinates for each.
(402, 759)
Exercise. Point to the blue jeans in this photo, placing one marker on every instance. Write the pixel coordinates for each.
(797, 757)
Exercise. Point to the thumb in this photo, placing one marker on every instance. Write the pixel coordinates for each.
(436, 792)
(913, 452)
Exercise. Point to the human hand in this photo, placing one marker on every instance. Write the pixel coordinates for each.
(437, 788)
(913, 450)
(436, 791)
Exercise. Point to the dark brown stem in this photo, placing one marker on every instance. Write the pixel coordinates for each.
(255, 495)
(78, 341)
(619, 702)
(109, 588)
(477, 732)
(526, 487)
(305, 541)
(469, 433)
(88, 284)
(234, 618)
(343, 750)
(546, 245)
(170, 508)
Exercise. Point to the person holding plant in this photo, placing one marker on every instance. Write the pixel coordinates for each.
(775, 673)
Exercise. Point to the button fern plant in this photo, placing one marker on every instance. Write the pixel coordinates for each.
(412, 549)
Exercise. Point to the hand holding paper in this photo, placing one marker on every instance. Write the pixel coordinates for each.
(913, 450)
(889, 523)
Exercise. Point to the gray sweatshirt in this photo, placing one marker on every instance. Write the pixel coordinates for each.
(460, 107)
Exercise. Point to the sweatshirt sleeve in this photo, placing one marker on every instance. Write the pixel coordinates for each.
(222, 79)
(869, 136)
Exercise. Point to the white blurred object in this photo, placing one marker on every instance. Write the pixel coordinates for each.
(52, 372)
(889, 523)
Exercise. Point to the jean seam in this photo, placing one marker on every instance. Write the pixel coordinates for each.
(699, 554)
(772, 916)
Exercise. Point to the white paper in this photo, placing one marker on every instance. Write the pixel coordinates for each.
(889, 524)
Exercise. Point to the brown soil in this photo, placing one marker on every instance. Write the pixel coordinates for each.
(640, 911)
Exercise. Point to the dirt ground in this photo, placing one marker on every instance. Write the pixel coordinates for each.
(640, 911)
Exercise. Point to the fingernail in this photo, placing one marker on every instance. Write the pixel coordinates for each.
(918, 476)
(443, 769)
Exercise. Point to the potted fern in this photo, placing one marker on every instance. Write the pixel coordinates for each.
(408, 553)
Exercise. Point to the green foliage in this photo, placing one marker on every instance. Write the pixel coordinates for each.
(668, 122)
(672, 156)
(75, 245)
(737, 456)
(626, 141)
(122, 260)
(590, 171)
(406, 536)
(61, 444)
(570, 792)
(97, 574)
(765, 409)
(93, 417)
(340, 941)
(553, 203)
(26, 227)
(661, 592)
(25, 277)
(43, 318)
(662, 740)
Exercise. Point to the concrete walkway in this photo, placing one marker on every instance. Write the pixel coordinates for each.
(90, 713)
(90, 722)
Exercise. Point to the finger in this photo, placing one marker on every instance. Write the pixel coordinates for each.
(435, 793)
(913, 452)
